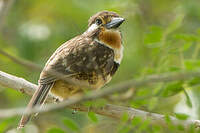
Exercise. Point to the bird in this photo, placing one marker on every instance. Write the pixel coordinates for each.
(86, 62)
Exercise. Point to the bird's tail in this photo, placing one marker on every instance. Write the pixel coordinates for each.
(37, 99)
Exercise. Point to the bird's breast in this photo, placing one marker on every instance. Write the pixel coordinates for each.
(111, 38)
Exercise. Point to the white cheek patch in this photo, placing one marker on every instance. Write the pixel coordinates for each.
(119, 54)
(93, 27)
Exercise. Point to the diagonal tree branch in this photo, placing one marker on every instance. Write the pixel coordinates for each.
(27, 64)
(109, 110)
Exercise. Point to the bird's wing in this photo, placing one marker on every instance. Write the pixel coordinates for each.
(61, 63)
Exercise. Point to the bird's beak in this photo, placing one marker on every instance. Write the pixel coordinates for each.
(115, 23)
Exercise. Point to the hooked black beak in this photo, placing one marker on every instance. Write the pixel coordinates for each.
(115, 23)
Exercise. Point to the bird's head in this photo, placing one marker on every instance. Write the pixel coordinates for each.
(105, 25)
(105, 20)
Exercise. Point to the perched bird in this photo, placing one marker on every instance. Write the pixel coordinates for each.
(87, 61)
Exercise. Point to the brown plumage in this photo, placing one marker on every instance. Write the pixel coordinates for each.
(87, 61)
(111, 38)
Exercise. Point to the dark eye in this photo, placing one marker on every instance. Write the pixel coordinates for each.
(98, 21)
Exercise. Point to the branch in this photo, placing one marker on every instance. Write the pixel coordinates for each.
(113, 111)
(27, 64)
(18, 84)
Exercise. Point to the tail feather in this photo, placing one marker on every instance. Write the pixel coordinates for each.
(38, 98)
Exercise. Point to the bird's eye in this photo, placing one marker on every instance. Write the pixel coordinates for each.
(98, 21)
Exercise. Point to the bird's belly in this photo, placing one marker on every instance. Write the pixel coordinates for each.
(64, 90)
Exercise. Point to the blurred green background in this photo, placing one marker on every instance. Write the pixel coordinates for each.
(158, 36)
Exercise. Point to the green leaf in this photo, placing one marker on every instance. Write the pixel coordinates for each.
(143, 92)
(176, 23)
(188, 100)
(186, 46)
(172, 89)
(181, 116)
(169, 123)
(174, 68)
(192, 128)
(194, 81)
(125, 129)
(144, 124)
(147, 70)
(154, 37)
(55, 130)
(71, 124)
(88, 103)
(192, 64)
(125, 117)
(100, 103)
(92, 116)
(167, 119)
(186, 37)
(180, 127)
(5, 124)
(138, 103)
(152, 103)
(136, 121)
(156, 128)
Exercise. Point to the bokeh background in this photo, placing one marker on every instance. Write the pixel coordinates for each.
(159, 36)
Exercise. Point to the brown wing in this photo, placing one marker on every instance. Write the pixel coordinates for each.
(56, 67)
(83, 59)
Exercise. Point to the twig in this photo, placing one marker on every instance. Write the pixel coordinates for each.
(25, 63)
(114, 111)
